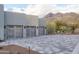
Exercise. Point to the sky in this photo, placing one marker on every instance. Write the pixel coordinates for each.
(42, 9)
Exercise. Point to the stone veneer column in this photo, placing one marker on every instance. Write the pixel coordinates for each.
(24, 32)
(14, 28)
(45, 31)
(37, 31)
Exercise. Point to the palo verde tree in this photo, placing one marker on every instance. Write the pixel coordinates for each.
(51, 27)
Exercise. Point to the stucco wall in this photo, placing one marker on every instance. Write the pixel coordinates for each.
(42, 22)
(15, 18)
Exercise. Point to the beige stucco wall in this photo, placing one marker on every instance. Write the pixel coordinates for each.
(15, 18)
(1, 22)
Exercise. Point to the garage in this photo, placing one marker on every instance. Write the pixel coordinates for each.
(30, 31)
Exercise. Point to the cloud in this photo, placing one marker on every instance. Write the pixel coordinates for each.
(73, 8)
(42, 9)
(69, 8)
(15, 9)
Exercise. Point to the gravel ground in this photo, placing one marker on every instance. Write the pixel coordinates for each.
(14, 49)
(55, 44)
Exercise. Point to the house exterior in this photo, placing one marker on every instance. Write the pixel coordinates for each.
(19, 25)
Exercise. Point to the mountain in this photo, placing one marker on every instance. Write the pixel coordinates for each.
(64, 16)
(53, 15)
(49, 15)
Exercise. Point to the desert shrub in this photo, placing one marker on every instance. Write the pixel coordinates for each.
(59, 27)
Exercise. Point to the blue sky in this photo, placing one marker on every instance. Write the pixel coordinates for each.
(25, 5)
(61, 5)
(15, 5)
